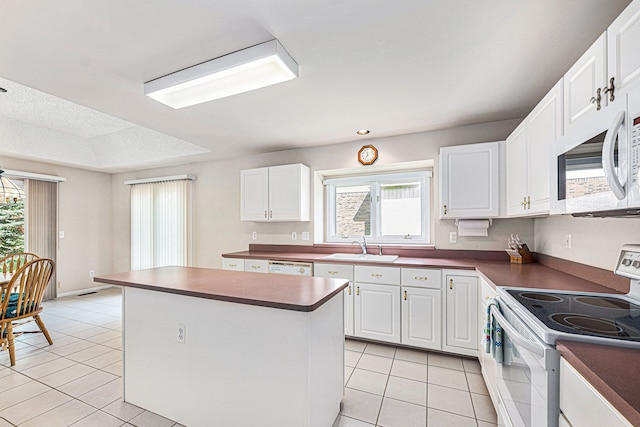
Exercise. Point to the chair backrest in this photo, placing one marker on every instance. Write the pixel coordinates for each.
(23, 295)
(13, 262)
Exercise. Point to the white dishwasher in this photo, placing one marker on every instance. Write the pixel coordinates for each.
(292, 268)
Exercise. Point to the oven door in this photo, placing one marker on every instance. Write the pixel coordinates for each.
(528, 378)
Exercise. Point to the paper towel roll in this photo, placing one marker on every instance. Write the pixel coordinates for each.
(473, 227)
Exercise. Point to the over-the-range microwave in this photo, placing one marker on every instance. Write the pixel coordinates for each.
(597, 165)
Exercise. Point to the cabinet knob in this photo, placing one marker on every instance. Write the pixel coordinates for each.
(265, 214)
(349, 289)
(611, 89)
(450, 283)
(597, 99)
(405, 295)
(445, 209)
(270, 214)
(358, 290)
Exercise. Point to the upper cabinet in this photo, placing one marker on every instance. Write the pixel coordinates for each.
(277, 193)
(470, 181)
(609, 68)
(528, 153)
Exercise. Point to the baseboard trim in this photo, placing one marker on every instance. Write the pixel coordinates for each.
(82, 291)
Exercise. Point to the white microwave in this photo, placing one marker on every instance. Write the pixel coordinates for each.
(596, 165)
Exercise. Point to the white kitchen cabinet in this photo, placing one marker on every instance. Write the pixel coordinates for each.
(470, 181)
(581, 404)
(256, 265)
(623, 45)
(584, 81)
(422, 317)
(489, 366)
(377, 312)
(461, 317)
(345, 272)
(377, 303)
(528, 153)
(235, 264)
(277, 193)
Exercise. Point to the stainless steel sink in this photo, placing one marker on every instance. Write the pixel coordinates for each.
(362, 257)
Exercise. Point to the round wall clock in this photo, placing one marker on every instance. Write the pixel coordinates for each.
(367, 154)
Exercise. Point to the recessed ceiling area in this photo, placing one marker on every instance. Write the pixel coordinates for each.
(75, 75)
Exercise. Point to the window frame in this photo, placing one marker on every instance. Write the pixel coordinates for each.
(375, 181)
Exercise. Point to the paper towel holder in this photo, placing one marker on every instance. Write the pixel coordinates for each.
(490, 222)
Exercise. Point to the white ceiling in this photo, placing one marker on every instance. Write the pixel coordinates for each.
(75, 69)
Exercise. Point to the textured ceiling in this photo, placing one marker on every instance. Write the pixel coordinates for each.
(75, 72)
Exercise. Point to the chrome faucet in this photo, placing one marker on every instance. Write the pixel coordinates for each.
(363, 245)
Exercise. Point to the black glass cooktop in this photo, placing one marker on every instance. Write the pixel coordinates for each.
(594, 315)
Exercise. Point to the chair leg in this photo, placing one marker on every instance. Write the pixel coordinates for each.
(43, 328)
(12, 350)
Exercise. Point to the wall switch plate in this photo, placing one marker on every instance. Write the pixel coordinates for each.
(305, 235)
(453, 237)
(92, 273)
(254, 235)
(294, 235)
(62, 234)
(182, 333)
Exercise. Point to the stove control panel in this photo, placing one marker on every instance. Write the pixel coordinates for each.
(629, 262)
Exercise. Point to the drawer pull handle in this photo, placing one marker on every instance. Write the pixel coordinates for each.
(255, 267)
(233, 265)
(450, 283)
(349, 290)
(265, 214)
(377, 276)
(332, 273)
(421, 278)
(358, 290)
(405, 295)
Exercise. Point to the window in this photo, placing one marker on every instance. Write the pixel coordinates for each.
(160, 224)
(391, 208)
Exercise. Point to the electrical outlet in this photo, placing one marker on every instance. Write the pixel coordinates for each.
(294, 235)
(62, 234)
(453, 237)
(305, 235)
(568, 241)
(92, 273)
(254, 235)
(182, 333)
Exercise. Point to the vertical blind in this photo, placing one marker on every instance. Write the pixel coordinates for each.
(161, 224)
(41, 223)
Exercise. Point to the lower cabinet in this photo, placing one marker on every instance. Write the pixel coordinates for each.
(345, 272)
(377, 312)
(422, 317)
(461, 307)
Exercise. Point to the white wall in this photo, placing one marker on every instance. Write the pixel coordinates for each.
(216, 202)
(84, 213)
(594, 241)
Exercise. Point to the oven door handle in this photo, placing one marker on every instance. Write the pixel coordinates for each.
(514, 335)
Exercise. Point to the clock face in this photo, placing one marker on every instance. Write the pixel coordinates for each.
(367, 154)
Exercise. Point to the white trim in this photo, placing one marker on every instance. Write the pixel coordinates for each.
(30, 175)
(82, 291)
(160, 179)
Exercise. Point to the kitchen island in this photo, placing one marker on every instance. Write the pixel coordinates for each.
(207, 347)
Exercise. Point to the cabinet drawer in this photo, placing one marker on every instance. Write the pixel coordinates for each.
(383, 275)
(236, 264)
(256, 265)
(334, 271)
(486, 292)
(422, 277)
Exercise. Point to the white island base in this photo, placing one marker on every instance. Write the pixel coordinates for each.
(240, 365)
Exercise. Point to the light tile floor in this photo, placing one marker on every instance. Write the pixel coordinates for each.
(77, 380)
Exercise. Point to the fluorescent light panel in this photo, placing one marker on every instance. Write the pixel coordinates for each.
(248, 69)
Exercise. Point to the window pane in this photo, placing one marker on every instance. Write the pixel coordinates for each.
(401, 209)
(353, 211)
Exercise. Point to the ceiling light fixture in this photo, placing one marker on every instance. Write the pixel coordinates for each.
(9, 190)
(242, 71)
(363, 132)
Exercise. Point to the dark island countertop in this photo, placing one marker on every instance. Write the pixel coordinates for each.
(267, 290)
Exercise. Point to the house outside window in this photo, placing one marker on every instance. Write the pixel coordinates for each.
(385, 208)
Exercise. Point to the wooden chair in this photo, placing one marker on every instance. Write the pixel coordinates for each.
(13, 262)
(21, 302)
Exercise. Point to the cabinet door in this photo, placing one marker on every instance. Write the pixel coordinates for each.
(254, 194)
(469, 181)
(377, 312)
(422, 317)
(235, 264)
(462, 312)
(517, 171)
(623, 45)
(544, 127)
(581, 83)
(348, 310)
(289, 189)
